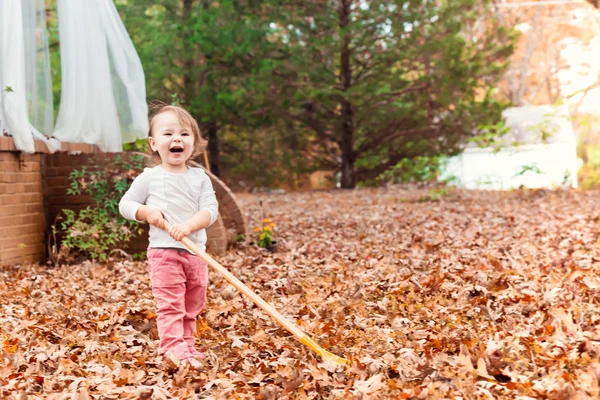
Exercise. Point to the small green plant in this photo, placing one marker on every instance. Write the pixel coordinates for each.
(140, 145)
(264, 233)
(491, 136)
(97, 230)
(436, 194)
(529, 168)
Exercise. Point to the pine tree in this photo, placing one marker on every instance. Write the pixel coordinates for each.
(382, 80)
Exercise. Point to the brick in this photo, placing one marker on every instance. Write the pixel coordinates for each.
(6, 156)
(18, 253)
(219, 191)
(232, 209)
(61, 160)
(36, 246)
(55, 161)
(226, 201)
(35, 187)
(239, 221)
(72, 160)
(23, 208)
(20, 177)
(56, 191)
(48, 171)
(40, 147)
(28, 259)
(9, 188)
(18, 220)
(18, 157)
(26, 158)
(31, 167)
(220, 234)
(48, 160)
(235, 214)
(216, 247)
(16, 166)
(15, 231)
(58, 181)
(218, 237)
(66, 170)
(8, 199)
(226, 220)
(81, 147)
(7, 144)
(29, 239)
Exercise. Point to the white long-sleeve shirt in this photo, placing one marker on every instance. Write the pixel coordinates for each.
(178, 196)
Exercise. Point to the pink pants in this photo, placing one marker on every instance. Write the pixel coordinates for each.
(179, 280)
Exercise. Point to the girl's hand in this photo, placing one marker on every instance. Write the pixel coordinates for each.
(155, 218)
(179, 231)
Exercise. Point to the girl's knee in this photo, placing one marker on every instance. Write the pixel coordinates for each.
(169, 297)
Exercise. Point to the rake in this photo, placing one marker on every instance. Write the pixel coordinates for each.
(289, 326)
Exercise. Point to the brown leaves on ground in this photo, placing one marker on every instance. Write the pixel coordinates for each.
(480, 295)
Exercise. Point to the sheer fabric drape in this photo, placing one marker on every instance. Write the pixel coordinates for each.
(25, 83)
(37, 66)
(103, 97)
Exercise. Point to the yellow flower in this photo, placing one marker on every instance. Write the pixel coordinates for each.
(268, 228)
(257, 229)
(271, 225)
(267, 220)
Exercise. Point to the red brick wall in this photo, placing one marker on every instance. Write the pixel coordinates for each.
(22, 221)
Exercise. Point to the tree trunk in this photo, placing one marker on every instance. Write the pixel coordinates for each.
(188, 54)
(213, 148)
(346, 143)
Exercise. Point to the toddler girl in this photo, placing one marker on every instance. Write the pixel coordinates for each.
(173, 190)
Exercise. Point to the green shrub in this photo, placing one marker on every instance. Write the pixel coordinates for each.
(99, 229)
(589, 177)
(417, 169)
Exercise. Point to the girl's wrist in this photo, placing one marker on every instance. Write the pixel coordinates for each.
(190, 226)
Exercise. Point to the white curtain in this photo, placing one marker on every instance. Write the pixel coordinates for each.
(103, 98)
(18, 19)
(37, 66)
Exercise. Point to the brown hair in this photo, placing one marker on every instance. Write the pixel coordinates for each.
(186, 119)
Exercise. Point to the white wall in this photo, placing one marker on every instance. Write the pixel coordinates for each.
(478, 168)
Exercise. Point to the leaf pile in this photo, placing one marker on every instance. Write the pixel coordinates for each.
(479, 295)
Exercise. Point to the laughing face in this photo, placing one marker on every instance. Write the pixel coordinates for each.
(173, 141)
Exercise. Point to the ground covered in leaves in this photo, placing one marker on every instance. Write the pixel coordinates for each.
(477, 295)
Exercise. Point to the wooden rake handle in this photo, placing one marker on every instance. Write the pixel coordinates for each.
(289, 326)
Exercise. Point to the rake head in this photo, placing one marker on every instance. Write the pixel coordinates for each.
(325, 355)
(332, 358)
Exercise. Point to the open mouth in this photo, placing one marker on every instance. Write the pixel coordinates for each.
(176, 150)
